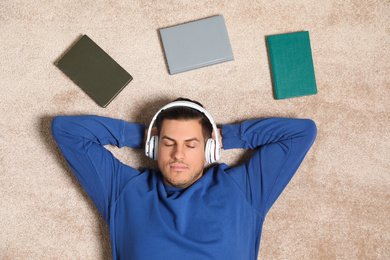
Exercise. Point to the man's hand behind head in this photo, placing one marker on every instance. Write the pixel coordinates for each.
(152, 133)
(220, 136)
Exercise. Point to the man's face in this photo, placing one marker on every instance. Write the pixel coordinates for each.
(181, 154)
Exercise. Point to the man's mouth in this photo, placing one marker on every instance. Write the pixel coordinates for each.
(178, 167)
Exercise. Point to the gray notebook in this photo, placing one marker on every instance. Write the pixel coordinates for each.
(196, 44)
(94, 71)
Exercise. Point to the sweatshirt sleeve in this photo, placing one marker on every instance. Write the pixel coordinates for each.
(81, 140)
(281, 145)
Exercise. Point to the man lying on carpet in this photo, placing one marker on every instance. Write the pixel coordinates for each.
(180, 211)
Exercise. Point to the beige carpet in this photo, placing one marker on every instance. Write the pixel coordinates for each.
(337, 205)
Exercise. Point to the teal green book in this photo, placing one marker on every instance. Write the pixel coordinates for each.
(292, 65)
(91, 68)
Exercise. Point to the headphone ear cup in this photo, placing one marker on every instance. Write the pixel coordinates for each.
(210, 151)
(153, 147)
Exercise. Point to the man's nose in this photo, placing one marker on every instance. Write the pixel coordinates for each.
(178, 153)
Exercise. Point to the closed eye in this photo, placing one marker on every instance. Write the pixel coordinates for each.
(192, 144)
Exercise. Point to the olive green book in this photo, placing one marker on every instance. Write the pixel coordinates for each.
(91, 68)
(292, 65)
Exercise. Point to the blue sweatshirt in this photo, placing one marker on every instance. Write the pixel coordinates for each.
(219, 217)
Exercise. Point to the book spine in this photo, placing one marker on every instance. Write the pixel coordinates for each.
(272, 63)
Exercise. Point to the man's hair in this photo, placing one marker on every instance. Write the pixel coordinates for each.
(185, 113)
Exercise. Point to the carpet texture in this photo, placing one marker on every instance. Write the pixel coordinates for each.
(336, 206)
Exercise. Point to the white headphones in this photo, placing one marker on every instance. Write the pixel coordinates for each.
(213, 147)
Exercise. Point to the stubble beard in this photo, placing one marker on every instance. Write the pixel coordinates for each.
(184, 184)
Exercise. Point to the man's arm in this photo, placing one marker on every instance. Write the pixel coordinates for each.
(281, 145)
(81, 140)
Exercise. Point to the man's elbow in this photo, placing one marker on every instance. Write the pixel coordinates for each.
(57, 125)
(311, 129)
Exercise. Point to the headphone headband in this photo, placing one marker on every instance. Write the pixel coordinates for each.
(190, 105)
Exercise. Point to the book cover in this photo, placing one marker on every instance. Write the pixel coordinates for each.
(94, 71)
(292, 65)
(196, 44)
